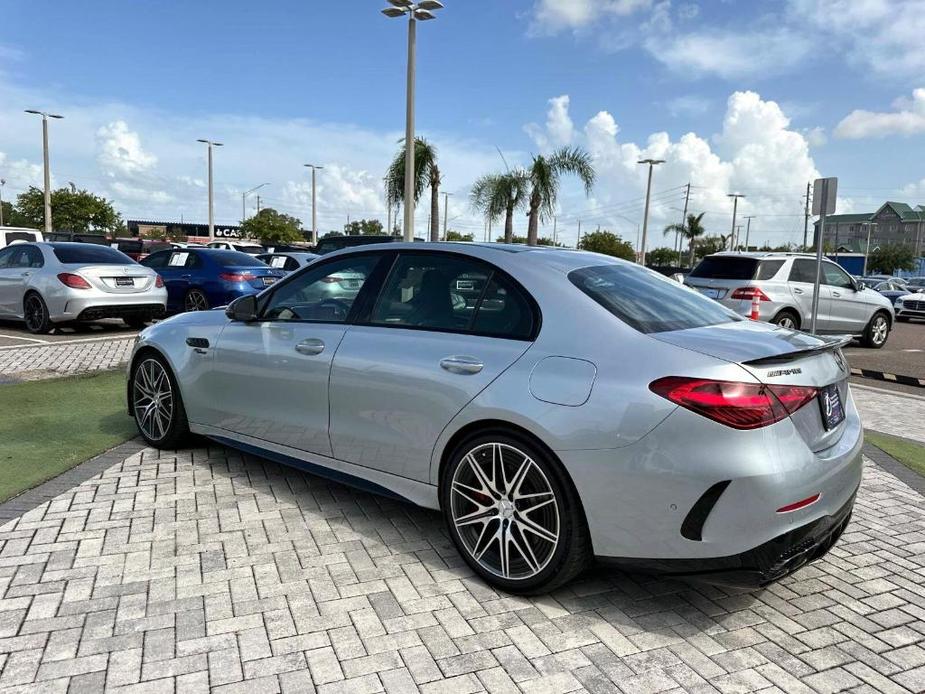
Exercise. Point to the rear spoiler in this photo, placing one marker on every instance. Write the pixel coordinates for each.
(829, 344)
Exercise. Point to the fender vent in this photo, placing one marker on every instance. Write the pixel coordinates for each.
(692, 527)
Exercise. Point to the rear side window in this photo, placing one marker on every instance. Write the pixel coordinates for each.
(156, 260)
(647, 301)
(803, 270)
(721, 267)
(91, 254)
(768, 268)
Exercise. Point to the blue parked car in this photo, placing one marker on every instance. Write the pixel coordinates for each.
(199, 278)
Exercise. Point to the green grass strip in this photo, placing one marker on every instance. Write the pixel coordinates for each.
(909, 453)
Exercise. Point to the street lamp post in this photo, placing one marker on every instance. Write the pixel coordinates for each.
(2, 183)
(645, 215)
(45, 116)
(314, 167)
(735, 207)
(211, 144)
(244, 198)
(416, 11)
(748, 230)
(867, 253)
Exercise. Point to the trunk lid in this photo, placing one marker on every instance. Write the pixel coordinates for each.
(777, 356)
(262, 276)
(116, 279)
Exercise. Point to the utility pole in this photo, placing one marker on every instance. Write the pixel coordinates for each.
(748, 229)
(687, 197)
(211, 144)
(446, 205)
(738, 235)
(735, 206)
(555, 228)
(578, 245)
(806, 217)
(314, 167)
(45, 117)
(244, 199)
(645, 215)
(258, 204)
(2, 183)
(388, 228)
(867, 253)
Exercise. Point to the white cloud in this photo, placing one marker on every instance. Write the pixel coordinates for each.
(120, 150)
(19, 174)
(689, 105)
(552, 16)
(559, 128)
(907, 119)
(885, 35)
(730, 54)
(816, 137)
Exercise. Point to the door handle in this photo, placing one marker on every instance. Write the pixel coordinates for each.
(461, 365)
(310, 347)
(836, 294)
(797, 290)
(26, 274)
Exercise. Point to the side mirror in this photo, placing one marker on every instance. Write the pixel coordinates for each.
(243, 309)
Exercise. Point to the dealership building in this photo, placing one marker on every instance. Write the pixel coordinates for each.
(179, 230)
(893, 223)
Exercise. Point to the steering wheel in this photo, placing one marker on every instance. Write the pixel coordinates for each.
(340, 308)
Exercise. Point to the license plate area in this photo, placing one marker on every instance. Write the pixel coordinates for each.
(831, 407)
(125, 282)
(267, 281)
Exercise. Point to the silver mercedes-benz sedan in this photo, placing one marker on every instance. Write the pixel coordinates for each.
(554, 405)
(48, 284)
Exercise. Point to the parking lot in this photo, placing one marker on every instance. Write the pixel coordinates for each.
(903, 354)
(15, 335)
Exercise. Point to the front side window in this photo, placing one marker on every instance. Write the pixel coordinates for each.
(6, 255)
(325, 293)
(834, 276)
(646, 301)
(803, 271)
(156, 260)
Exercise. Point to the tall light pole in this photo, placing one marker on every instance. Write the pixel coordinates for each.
(211, 144)
(748, 229)
(244, 198)
(416, 11)
(446, 205)
(2, 183)
(314, 167)
(45, 116)
(735, 206)
(867, 252)
(645, 215)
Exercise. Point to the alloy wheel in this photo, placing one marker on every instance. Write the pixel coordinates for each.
(196, 301)
(152, 399)
(879, 330)
(505, 511)
(34, 313)
(787, 322)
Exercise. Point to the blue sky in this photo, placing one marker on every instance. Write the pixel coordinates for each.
(756, 97)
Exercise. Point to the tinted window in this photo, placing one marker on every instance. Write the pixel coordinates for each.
(91, 254)
(235, 259)
(725, 268)
(246, 248)
(504, 311)
(834, 276)
(6, 255)
(325, 293)
(768, 268)
(647, 301)
(20, 257)
(156, 260)
(803, 270)
(290, 264)
(440, 292)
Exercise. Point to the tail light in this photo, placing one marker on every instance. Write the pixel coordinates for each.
(159, 282)
(749, 293)
(737, 405)
(237, 276)
(73, 281)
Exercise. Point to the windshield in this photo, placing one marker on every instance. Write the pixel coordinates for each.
(87, 253)
(725, 268)
(647, 301)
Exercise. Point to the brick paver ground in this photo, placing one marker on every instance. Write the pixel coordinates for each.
(181, 572)
(68, 359)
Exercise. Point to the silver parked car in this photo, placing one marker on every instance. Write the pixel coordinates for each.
(783, 283)
(910, 306)
(555, 406)
(46, 284)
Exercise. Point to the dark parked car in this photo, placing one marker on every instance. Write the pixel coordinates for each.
(77, 237)
(199, 278)
(335, 243)
(138, 249)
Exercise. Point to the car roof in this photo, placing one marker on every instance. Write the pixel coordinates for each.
(761, 254)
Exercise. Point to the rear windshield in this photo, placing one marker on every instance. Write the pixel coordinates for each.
(647, 301)
(725, 268)
(235, 259)
(247, 248)
(90, 254)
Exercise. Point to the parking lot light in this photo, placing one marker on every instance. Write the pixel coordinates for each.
(45, 116)
(211, 144)
(645, 215)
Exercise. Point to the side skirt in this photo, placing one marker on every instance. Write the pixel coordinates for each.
(357, 476)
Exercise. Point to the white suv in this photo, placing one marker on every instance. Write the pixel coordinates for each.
(783, 283)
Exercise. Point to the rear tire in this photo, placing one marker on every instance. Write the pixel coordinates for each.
(787, 319)
(35, 313)
(195, 300)
(877, 331)
(157, 407)
(513, 514)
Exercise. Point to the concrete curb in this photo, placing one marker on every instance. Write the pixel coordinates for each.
(891, 378)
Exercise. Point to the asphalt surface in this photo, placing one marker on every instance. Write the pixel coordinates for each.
(903, 353)
(13, 334)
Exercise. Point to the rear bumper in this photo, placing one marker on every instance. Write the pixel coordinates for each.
(758, 567)
(93, 305)
(146, 311)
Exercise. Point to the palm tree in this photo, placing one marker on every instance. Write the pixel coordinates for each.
(691, 230)
(543, 176)
(426, 173)
(497, 194)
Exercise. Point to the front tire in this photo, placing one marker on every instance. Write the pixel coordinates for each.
(156, 403)
(787, 319)
(195, 300)
(877, 331)
(513, 514)
(35, 313)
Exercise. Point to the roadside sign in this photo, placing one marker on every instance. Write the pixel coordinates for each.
(824, 190)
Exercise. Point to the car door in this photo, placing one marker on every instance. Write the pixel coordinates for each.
(20, 264)
(802, 282)
(269, 378)
(443, 327)
(9, 281)
(848, 310)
